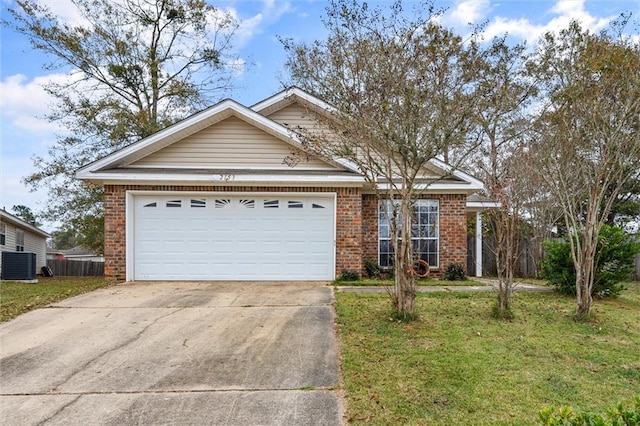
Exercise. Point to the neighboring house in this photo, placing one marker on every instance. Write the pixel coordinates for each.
(213, 198)
(18, 235)
(54, 254)
(76, 253)
(81, 253)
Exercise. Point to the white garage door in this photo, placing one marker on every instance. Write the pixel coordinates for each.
(233, 237)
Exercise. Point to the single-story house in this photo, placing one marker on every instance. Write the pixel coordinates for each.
(79, 253)
(16, 235)
(213, 197)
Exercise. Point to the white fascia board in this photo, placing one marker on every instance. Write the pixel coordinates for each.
(438, 187)
(474, 182)
(221, 179)
(292, 92)
(482, 205)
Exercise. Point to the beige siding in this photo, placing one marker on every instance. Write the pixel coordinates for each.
(229, 144)
(305, 122)
(38, 245)
(32, 243)
(294, 116)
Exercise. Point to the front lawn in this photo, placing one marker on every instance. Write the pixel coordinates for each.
(457, 365)
(18, 298)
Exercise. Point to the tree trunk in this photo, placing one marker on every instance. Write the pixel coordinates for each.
(584, 278)
(405, 285)
(584, 303)
(585, 271)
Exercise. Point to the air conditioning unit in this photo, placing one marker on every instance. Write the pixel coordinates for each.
(18, 265)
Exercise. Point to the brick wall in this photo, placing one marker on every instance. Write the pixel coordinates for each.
(349, 230)
(348, 222)
(370, 227)
(453, 229)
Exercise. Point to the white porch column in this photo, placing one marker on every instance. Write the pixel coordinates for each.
(478, 244)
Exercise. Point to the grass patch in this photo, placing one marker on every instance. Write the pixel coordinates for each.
(458, 365)
(18, 298)
(424, 282)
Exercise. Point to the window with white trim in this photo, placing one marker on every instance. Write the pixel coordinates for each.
(3, 234)
(424, 233)
(19, 240)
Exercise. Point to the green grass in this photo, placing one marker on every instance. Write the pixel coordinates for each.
(457, 365)
(424, 282)
(18, 298)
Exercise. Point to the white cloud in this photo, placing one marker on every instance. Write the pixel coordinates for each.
(255, 25)
(24, 102)
(238, 66)
(520, 28)
(66, 11)
(469, 12)
(566, 11)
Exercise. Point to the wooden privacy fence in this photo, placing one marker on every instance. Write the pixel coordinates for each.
(527, 262)
(76, 268)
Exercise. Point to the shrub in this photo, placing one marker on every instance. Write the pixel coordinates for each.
(454, 272)
(614, 263)
(372, 268)
(616, 416)
(349, 275)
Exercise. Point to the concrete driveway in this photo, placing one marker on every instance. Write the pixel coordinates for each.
(175, 353)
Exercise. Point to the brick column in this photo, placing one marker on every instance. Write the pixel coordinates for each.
(348, 230)
(453, 230)
(370, 227)
(114, 233)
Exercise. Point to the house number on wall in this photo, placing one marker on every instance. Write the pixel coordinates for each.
(227, 178)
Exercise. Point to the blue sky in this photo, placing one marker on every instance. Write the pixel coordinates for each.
(23, 103)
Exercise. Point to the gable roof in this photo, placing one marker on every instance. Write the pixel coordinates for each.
(189, 126)
(119, 167)
(290, 96)
(16, 221)
(296, 95)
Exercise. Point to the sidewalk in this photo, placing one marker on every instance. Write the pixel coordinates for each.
(491, 286)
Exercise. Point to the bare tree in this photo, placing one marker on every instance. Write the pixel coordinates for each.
(588, 138)
(401, 87)
(503, 95)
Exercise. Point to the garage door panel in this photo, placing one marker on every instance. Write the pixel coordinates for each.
(233, 237)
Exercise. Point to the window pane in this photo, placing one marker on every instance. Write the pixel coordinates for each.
(383, 231)
(386, 260)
